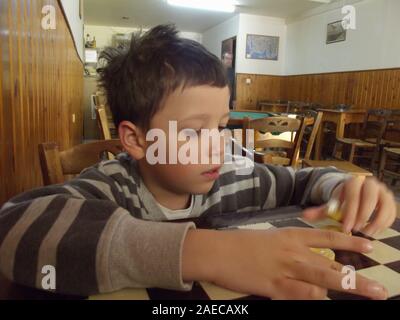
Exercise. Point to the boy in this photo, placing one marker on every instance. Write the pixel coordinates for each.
(106, 230)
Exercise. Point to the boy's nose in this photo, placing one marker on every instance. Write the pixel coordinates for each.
(217, 149)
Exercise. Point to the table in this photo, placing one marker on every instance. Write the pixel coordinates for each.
(236, 118)
(383, 266)
(341, 119)
(273, 106)
(341, 165)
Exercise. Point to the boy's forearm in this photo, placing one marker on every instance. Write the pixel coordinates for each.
(201, 255)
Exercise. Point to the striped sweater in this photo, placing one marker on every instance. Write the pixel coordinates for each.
(103, 231)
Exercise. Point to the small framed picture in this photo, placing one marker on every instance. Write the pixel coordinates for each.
(335, 32)
(262, 47)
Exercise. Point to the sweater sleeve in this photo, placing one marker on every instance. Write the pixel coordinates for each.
(85, 230)
(308, 186)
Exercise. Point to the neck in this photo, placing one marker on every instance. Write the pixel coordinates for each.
(165, 197)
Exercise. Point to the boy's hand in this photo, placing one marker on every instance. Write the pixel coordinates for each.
(360, 197)
(276, 263)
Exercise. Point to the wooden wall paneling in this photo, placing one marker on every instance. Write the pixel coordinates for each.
(41, 86)
(363, 89)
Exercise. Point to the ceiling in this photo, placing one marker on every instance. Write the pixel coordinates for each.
(147, 13)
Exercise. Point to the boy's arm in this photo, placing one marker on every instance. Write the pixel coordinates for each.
(309, 186)
(95, 245)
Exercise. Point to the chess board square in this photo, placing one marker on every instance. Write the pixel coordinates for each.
(299, 223)
(394, 266)
(339, 295)
(197, 293)
(396, 225)
(388, 233)
(357, 260)
(125, 294)
(385, 276)
(218, 293)
(320, 224)
(257, 226)
(359, 234)
(251, 297)
(393, 242)
(383, 253)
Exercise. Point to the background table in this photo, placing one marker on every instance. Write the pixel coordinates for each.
(341, 165)
(236, 118)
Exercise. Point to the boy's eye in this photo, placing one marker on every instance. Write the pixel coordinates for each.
(192, 132)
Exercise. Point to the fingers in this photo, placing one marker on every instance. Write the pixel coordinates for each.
(385, 215)
(315, 238)
(316, 213)
(369, 196)
(352, 192)
(291, 289)
(333, 279)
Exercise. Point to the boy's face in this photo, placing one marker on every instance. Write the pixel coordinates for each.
(193, 109)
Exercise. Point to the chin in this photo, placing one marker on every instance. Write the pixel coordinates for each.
(203, 188)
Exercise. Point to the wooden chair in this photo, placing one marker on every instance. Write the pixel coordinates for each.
(104, 117)
(102, 121)
(311, 121)
(392, 154)
(374, 126)
(391, 135)
(56, 164)
(275, 151)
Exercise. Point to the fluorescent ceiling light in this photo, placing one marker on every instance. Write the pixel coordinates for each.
(322, 1)
(212, 5)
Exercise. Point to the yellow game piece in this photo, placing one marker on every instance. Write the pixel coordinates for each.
(327, 253)
(333, 210)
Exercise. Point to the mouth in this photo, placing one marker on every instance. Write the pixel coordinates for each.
(212, 174)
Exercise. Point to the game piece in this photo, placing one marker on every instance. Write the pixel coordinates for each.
(333, 210)
(327, 253)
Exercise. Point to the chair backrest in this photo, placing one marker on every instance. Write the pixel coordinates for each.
(313, 135)
(102, 121)
(392, 130)
(315, 122)
(56, 164)
(375, 122)
(275, 125)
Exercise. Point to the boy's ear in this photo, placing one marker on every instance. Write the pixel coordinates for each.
(132, 139)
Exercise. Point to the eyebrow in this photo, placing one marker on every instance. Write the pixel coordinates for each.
(202, 116)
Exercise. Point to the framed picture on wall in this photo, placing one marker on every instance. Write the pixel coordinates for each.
(262, 47)
(335, 32)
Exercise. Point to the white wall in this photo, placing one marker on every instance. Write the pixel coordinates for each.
(71, 9)
(240, 26)
(375, 44)
(212, 38)
(260, 25)
(104, 34)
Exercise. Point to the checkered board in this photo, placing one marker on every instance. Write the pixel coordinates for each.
(382, 265)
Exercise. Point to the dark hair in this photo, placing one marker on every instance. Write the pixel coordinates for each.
(138, 79)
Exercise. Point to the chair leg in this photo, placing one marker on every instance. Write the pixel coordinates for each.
(376, 158)
(335, 153)
(352, 153)
(382, 165)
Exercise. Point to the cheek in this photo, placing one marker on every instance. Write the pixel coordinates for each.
(179, 172)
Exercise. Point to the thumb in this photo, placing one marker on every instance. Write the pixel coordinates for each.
(315, 213)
